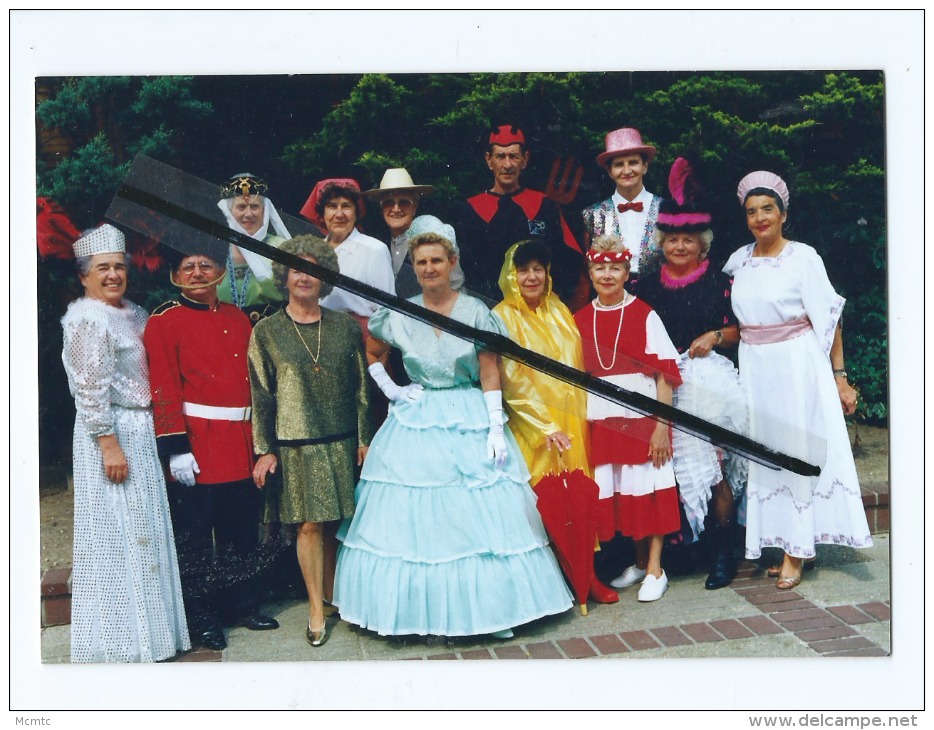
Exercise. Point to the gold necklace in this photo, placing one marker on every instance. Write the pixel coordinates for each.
(315, 356)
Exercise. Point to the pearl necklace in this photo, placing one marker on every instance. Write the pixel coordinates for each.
(315, 356)
(619, 329)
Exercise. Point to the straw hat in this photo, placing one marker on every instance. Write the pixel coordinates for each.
(397, 179)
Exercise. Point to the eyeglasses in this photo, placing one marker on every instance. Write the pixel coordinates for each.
(206, 266)
(403, 203)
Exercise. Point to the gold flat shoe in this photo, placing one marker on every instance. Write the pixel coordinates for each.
(319, 637)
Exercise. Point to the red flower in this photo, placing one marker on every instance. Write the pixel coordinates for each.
(144, 252)
(55, 233)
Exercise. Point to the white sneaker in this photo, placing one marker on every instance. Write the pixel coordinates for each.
(653, 588)
(630, 577)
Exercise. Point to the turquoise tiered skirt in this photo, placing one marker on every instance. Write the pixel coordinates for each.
(441, 541)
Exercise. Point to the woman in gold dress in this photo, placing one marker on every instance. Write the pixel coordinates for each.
(311, 416)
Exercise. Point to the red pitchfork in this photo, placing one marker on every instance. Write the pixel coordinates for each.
(568, 190)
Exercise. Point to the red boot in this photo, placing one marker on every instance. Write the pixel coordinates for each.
(600, 593)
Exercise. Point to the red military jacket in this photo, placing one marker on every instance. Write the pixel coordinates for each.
(198, 355)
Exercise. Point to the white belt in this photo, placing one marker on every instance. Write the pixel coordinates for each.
(217, 413)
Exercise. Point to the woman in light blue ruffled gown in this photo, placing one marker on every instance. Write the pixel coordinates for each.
(446, 538)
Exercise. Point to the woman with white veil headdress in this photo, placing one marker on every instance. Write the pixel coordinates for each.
(249, 284)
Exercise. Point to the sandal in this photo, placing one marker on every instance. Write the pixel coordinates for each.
(775, 571)
(786, 582)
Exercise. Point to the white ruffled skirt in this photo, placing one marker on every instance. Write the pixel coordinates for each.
(711, 390)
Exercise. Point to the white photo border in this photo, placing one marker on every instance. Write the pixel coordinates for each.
(72, 43)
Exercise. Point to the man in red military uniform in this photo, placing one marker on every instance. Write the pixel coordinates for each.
(197, 350)
(497, 218)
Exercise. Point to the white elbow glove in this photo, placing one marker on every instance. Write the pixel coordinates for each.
(408, 393)
(184, 467)
(496, 441)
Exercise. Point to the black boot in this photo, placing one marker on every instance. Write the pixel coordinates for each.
(723, 568)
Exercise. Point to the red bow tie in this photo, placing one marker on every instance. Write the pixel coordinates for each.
(623, 207)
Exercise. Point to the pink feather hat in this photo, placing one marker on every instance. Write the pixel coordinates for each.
(684, 211)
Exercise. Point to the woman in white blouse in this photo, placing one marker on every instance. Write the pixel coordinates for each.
(338, 203)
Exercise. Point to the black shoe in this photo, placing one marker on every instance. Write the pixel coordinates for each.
(720, 577)
(723, 569)
(213, 639)
(259, 622)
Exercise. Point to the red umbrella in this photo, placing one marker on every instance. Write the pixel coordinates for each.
(567, 503)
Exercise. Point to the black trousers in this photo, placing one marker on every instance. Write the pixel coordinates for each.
(216, 531)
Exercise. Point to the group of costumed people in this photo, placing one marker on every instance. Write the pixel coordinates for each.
(419, 517)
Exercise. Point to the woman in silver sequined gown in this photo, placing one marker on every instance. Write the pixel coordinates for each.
(126, 595)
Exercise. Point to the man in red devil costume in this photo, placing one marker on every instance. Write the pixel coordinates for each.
(497, 218)
(197, 351)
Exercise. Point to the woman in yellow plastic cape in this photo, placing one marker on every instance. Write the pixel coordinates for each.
(546, 415)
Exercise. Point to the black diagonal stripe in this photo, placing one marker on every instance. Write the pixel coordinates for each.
(642, 404)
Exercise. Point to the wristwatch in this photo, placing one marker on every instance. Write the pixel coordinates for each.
(841, 373)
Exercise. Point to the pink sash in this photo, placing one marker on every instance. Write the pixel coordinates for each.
(766, 334)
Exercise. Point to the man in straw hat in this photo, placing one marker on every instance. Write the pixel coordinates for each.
(507, 213)
(197, 351)
(398, 197)
(630, 213)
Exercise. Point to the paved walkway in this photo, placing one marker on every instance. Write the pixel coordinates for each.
(842, 608)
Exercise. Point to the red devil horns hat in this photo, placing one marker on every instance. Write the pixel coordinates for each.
(506, 134)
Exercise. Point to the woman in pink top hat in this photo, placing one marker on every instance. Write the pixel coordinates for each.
(631, 212)
(795, 382)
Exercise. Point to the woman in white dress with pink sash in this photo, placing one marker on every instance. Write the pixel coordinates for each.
(792, 367)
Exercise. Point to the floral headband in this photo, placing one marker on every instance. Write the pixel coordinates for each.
(609, 257)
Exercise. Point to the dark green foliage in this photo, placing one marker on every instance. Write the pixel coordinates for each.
(108, 120)
(822, 132)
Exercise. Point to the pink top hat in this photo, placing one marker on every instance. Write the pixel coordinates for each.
(624, 141)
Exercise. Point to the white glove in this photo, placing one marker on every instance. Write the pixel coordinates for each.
(184, 467)
(496, 440)
(408, 393)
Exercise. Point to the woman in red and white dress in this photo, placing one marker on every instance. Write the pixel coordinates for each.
(625, 343)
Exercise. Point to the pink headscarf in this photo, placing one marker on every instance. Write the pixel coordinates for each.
(308, 209)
